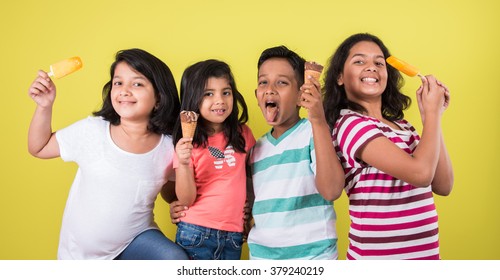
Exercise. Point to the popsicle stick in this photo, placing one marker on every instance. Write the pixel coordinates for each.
(51, 72)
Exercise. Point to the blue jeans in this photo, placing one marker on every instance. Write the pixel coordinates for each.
(202, 243)
(152, 245)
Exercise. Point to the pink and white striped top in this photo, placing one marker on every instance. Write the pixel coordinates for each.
(390, 219)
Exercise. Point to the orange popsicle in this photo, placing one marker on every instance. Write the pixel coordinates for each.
(402, 66)
(65, 67)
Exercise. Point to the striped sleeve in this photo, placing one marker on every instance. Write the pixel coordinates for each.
(353, 133)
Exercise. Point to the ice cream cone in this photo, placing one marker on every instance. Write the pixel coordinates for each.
(189, 120)
(188, 129)
(313, 69)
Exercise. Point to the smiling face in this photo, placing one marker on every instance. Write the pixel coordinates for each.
(217, 102)
(365, 73)
(132, 94)
(278, 93)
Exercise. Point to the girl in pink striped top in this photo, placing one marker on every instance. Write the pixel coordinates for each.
(391, 172)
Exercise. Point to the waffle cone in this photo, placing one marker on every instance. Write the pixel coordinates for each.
(313, 73)
(188, 129)
(312, 69)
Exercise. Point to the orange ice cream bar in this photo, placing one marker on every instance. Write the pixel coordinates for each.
(402, 66)
(313, 69)
(189, 120)
(65, 67)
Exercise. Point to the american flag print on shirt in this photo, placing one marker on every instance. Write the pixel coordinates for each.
(221, 157)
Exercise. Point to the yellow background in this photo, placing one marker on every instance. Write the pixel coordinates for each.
(458, 41)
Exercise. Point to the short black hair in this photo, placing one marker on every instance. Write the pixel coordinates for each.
(295, 60)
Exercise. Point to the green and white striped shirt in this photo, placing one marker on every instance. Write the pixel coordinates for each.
(292, 220)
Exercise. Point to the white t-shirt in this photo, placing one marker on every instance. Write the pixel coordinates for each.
(112, 197)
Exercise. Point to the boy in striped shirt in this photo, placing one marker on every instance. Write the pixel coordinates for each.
(295, 171)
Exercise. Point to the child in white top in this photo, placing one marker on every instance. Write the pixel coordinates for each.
(124, 154)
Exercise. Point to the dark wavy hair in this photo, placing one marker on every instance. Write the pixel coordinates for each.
(163, 117)
(193, 83)
(295, 60)
(394, 102)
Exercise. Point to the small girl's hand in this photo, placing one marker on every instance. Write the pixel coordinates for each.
(310, 98)
(43, 90)
(183, 150)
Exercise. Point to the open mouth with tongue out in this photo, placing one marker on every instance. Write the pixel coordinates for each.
(272, 110)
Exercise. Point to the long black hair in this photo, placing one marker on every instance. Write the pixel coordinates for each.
(193, 83)
(166, 111)
(335, 98)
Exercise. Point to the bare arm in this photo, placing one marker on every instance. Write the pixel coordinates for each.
(444, 178)
(247, 209)
(185, 186)
(418, 169)
(42, 142)
(168, 192)
(442, 183)
(329, 172)
(176, 209)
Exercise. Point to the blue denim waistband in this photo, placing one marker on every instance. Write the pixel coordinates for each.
(205, 230)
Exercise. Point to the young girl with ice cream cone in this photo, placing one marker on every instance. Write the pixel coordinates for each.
(210, 164)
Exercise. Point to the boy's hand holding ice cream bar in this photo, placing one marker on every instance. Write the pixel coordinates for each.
(311, 69)
(189, 120)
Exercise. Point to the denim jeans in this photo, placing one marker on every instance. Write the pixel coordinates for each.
(152, 245)
(202, 243)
